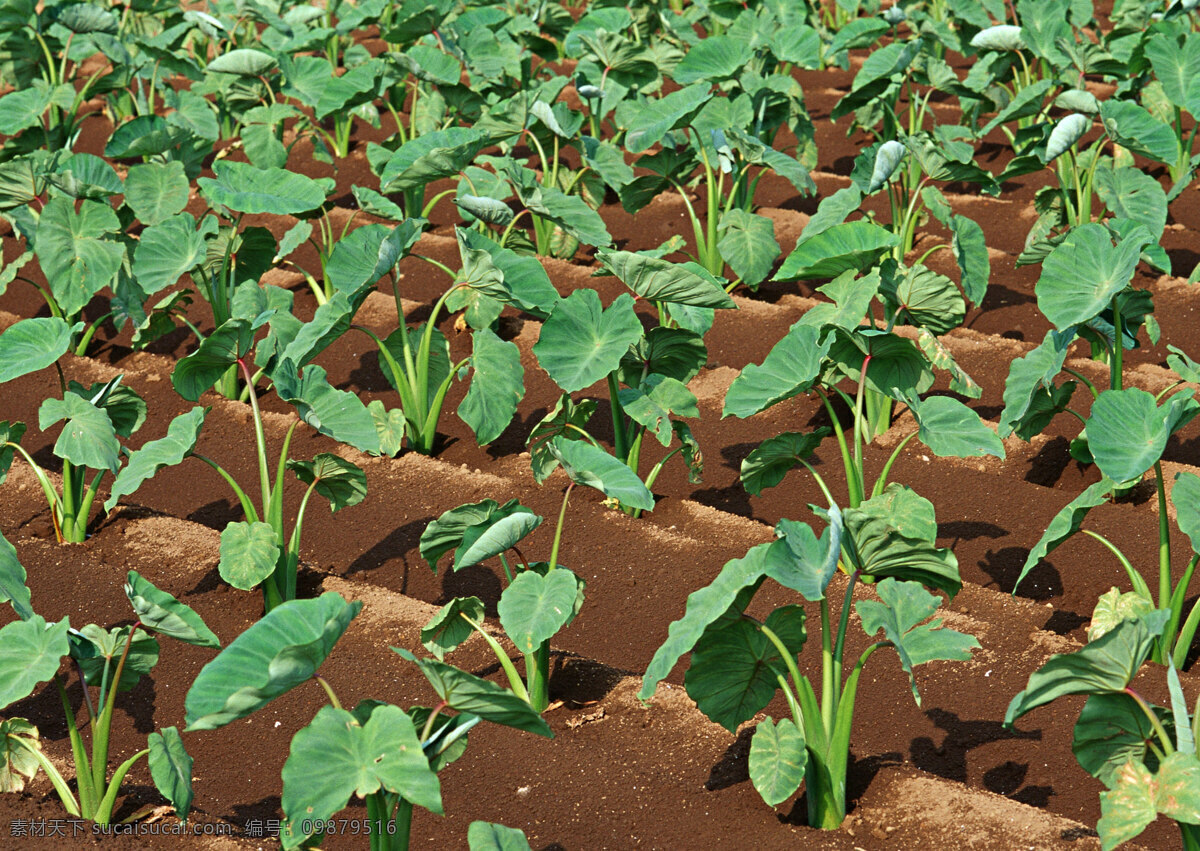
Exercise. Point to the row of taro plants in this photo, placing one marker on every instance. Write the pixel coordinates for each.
(519, 120)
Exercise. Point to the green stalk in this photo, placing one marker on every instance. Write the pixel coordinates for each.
(562, 514)
(1155, 723)
(858, 436)
(881, 482)
(852, 481)
(620, 438)
(1118, 350)
(329, 692)
(789, 660)
(828, 695)
(247, 505)
(404, 812)
(264, 475)
(100, 731)
(839, 646)
(83, 769)
(1164, 539)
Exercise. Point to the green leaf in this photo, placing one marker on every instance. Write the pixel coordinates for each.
(171, 769)
(249, 553)
(1132, 194)
(245, 189)
(389, 425)
(747, 243)
(1111, 730)
(1137, 797)
(450, 529)
(896, 368)
(887, 160)
(656, 117)
(485, 836)
(708, 605)
(714, 58)
(107, 646)
(535, 606)
(489, 210)
(778, 757)
(88, 438)
(494, 535)
(525, 282)
(338, 480)
(652, 404)
(30, 652)
(169, 250)
(1066, 133)
(587, 465)
(32, 344)
(159, 611)
(950, 428)
(581, 343)
(1127, 433)
(903, 608)
(243, 61)
(220, 350)
(790, 368)
(13, 589)
(924, 298)
(1066, 523)
(277, 653)
(966, 242)
(1030, 381)
(566, 418)
(766, 466)
(999, 37)
(17, 763)
(497, 386)
(850, 245)
(167, 451)
(1104, 666)
(670, 352)
(569, 212)
(1082, 274)
(811, 562)
(76, 258)
(335, 757)
(1177, 67)
(1185, 496)
(368, 253)
(660, 280)
(1133, 127)
(156, 191)
(465, 692)
(339, 414)
(442, 153)
(890, 535)
(450, 627)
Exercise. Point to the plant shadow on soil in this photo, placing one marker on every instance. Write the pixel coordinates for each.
(393, 545)
(949, 759)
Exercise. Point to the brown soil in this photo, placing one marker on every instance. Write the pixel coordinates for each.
(619, 774)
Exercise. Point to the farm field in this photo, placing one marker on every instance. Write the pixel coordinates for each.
(659, 365)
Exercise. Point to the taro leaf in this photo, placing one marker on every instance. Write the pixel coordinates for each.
(338, 480)
(689, 451)
(144, 136)
(1111, 730)
(766, 466)
(156, 191)
(168, 250)
(811, 562)
(486, 836)
(966, 242)
(926, 299)
(896, 367)
(243, 61)
(18, 740)
(850, 245)
(951, 429)
(790, 368)
(587, 465)
(370, 201)
(339, 414)
(76, 258)
(442, 153)
(566, 418)
(10, 438)
(1137, 797)
(900, 614)
(494, 535)
(1185, 496)
(1104, 666)
(468, 693)
(159, 611)
(1133, 127)
(904, 509)
(939, 355)
(1066, 133)
(220, 350)
(654, 118)
(670, 352)
(389, 425)
(535, 607)
(1066, 523)
(1113, 607)
(660, 280)
(778, 757)
(569, 212)
(452, 625)
(581, 343)
(171, 769)
(245, 189)
(714, 58)
(880, 549)
(735, 667)
(30, 651)
(707, 605)
(447, 531)
(1078, 100)
(747, 243)
(1082, 274)
(497, 386)
(526, 283)
(999, 37)
(277, 653)
(1177, 67)
(249, 553)
(1132, 194)
(167, 451)
(124, 406)
(368, 253)
(887, 160)
(1030, 378)
(32, 344)
(1028, 102)
(1127, 433)
(88, 438)
(489, 210)
(335, 757)
(652, 404)
(832, 211)
(13, 589)
(107, 646)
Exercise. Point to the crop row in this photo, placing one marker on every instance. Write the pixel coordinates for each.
(528, 124)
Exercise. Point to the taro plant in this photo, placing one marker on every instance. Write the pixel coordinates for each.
(93, 417)
(1143, 753)
(1127, 433)
(541, 597)
(646, 371)
(378, 752)
(111, 660)
(739, 663)
(830, 347)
